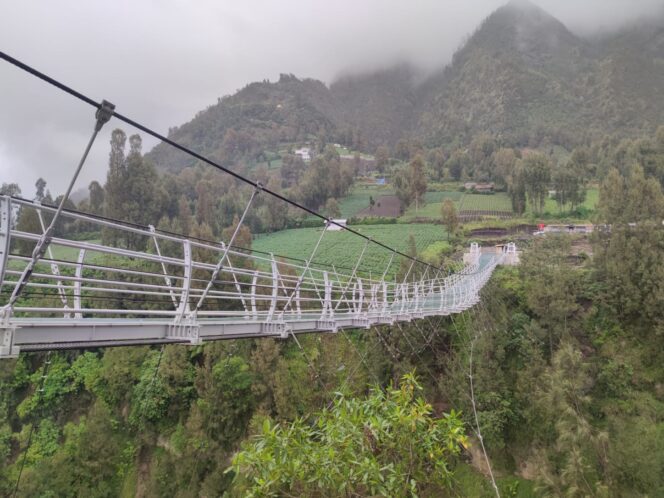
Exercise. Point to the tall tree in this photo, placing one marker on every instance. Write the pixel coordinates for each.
(40, 189)
(131, 190)
(436, 159)
(580, 163)
(458, 163)
(142, 200)
(418, 180)
(449, 216)
(332, 208)
(382, 158)
(537, 175)
(516, 189)
(628, 256)
(504, 161)
(115, 184)
(96, 193)
(568, 184)
(402, 149)
(10, 189)
(402, 188)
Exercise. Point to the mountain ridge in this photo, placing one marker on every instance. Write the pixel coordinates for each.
(522, 76)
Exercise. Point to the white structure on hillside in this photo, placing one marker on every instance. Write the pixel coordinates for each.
(304, 153)
(332, 227)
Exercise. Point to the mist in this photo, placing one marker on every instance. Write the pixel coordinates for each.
(160, 62)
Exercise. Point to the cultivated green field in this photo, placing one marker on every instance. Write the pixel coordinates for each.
(434, 202)
(441, 196)
(343, 248)
(479, 202)
(499, 202)
(358, 199)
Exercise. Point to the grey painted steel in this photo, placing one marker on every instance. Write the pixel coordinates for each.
(126, 297)
(5, 228)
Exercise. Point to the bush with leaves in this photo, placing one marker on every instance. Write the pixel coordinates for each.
(388, 444)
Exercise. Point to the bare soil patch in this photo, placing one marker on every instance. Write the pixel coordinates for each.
(387, 206)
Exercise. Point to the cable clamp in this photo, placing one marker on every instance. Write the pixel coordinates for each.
(104, 114)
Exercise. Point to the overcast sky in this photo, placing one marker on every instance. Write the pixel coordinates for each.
(161, 61)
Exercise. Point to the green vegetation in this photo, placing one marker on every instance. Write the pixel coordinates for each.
(566, 367)
(567, 350)
(499, 202)
(552, 209)
(431, 209)
(434, 253)
(342, 248)
(385, 445)
(495, 203)
(359, 199)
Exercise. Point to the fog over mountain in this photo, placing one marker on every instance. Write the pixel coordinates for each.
(161, 62)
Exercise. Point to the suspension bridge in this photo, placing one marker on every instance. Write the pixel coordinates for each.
(60, 293)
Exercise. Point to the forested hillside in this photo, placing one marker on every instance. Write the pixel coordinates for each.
(522, 78)
(257, 118)
(565, 355)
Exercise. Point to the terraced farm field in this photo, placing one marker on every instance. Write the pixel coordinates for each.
(343, 248)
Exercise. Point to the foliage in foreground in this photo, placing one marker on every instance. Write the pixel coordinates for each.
(388, 444)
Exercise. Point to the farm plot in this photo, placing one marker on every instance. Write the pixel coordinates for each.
(432, 208)
(441, 196)
(387, 206)
(343, 248)
(475, 206)
(499, 202)
(358, 199)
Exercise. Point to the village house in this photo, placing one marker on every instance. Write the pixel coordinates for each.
(304, 153)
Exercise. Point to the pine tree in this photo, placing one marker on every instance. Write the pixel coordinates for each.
(537, 175)
(115, 185)
(449, 216)
(40, 186)
(96, 193)
(418, 181)
(517, 189)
